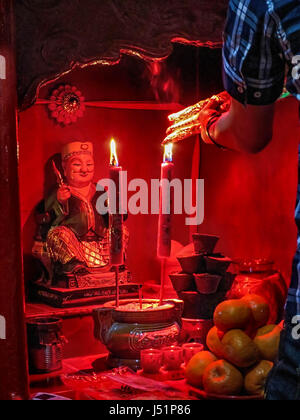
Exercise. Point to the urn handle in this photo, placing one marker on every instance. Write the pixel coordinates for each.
(178, 309)
(102, 323)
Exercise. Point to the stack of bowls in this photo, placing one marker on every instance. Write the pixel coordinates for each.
(204, 281)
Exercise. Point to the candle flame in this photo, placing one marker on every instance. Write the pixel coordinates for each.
(113, 153)
(168, 155)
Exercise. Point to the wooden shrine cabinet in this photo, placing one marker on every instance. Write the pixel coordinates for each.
(40, 40)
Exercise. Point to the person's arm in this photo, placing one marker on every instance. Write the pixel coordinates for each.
(244, 128)
(253, 75)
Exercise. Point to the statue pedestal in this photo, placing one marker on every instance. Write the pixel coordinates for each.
(85, 290)
(68, 298)
(97, 278)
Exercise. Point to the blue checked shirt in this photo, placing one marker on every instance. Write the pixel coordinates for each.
(261, 54)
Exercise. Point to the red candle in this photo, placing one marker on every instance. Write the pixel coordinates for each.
(165, 217)
(116, 218)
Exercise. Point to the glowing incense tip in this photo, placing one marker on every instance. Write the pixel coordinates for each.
(168, 155)
(113, 153)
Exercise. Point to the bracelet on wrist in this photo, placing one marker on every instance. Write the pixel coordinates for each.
(210, 123)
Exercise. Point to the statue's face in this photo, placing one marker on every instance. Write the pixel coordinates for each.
(79, 170)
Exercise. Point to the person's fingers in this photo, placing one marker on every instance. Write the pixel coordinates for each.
(182, 123)
(181, 114)
(187, 128)
(183, 133)
(187, 112)
(225, 97)
(213, 103)
(225, 107)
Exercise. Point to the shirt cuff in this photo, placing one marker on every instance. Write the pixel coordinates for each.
(248, 95)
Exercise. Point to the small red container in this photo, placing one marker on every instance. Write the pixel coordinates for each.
(182, 282)
(205, 244)
(207, 284)
(191, 264)
(216, 265)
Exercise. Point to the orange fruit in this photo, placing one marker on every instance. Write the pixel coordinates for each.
(213, 342)
(265, 330)
(268, 343)
(239, 349)
(222, 378)
(259, 308)
(196, 367)
(255, 380)
(232, 314)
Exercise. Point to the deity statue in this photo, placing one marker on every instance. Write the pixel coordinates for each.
(77, 239)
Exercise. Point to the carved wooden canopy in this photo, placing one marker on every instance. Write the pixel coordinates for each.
(54, 36)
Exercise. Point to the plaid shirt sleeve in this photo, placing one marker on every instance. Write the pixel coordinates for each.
(257, 48)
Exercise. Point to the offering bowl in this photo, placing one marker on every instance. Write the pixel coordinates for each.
(207, 284)
(182, 281)
(204, 244)
(191, 264)
(217, 265)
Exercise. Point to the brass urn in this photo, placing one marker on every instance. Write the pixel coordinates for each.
(128, 329)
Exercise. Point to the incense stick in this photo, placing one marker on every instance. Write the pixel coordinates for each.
(117, 287)
(141, 297)
(162, 280)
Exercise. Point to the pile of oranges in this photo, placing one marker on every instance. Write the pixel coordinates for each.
(243, 348)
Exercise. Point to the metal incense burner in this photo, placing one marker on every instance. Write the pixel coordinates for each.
(128, 329)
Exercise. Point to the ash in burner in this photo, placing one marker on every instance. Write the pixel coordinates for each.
(135, 307)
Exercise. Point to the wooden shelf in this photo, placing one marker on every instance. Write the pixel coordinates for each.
(41, 310)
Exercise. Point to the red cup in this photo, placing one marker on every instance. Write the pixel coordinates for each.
(190, 349)
(173, 358)
(151, 360)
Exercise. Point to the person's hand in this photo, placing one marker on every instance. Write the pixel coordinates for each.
(63, 194)
(194, 119)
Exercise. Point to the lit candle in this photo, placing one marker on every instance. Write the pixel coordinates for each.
(116, 219)
(165, 217)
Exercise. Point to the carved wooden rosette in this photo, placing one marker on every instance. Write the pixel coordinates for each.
(54, 36)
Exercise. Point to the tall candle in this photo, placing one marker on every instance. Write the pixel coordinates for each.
(165, 208)
(116, 219)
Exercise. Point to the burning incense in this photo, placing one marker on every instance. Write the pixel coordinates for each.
(141, 297)
(117, 287)
(162, 280)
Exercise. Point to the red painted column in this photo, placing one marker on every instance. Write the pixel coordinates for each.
(13, 355)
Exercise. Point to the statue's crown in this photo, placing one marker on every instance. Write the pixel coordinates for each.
(76, 148)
